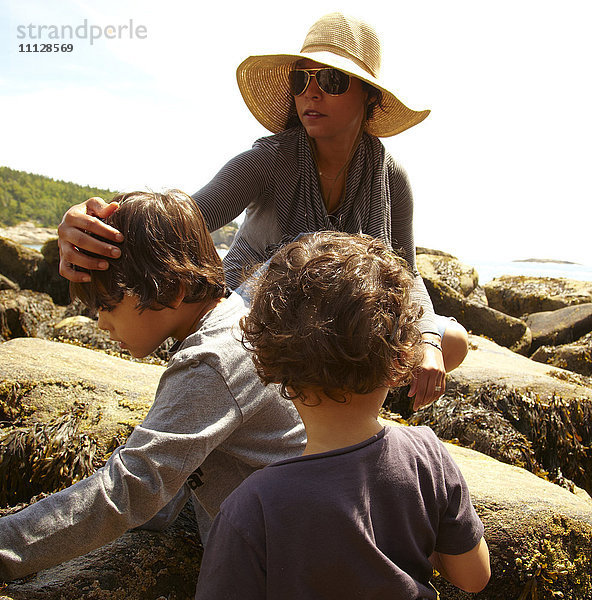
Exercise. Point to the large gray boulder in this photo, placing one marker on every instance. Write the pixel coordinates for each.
(449, 270)
(139, 565)
(487, 363)
(455, 292)
(34, 270)
(477, 318)
(19, 263)
(51, 391)
(519, 295)
(539, 535)
(24, 313)
(562, 326)
(84, 331)
(576, 356)
(8, 284)
(536, 531)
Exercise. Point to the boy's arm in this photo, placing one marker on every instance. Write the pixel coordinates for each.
(461, 553)
(193, 413)
(469, 571)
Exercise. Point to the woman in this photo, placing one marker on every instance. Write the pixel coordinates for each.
(324, 169)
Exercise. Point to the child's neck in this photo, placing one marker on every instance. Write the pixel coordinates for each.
(189, 316)
(331, 424)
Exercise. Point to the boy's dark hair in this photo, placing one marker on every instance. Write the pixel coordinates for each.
(332, 312)
(166, 247)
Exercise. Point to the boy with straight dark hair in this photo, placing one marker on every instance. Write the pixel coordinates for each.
(212, 422)
(367, 511)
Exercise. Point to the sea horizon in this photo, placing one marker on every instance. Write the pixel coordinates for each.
(491, 269)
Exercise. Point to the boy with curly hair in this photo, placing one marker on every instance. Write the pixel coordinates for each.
(212, 422)
(367, 511)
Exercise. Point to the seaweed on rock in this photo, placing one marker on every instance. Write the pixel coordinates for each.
(551, 438)
(45, 457)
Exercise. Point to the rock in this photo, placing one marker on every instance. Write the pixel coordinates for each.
(562, 326)
(477, 318)
(8, 284)
(20, 264)
(518, 295)
(448, 270)
(29, 269)
(24, 313)
(77, 308)
(478, 296)
(28, 233)
(84, 331)
(550, 438)
(529, 522)
(420, 250)
(536, 532)
(48, 387)
(576, 356)
(488, 363)
(52, 282)
(140, 565)
(224, 236)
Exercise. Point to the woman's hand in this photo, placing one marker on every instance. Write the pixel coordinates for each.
(77, 223)
(430, 381)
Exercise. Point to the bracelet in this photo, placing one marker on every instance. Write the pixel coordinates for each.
(434, 344)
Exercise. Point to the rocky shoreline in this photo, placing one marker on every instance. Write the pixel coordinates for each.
(523, 397)
(28, 234)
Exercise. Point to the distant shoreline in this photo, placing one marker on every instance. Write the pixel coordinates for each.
(545, 260)
(28, 234)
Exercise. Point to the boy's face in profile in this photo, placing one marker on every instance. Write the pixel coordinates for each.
(138, 332)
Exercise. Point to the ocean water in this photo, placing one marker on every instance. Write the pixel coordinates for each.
(489, 270)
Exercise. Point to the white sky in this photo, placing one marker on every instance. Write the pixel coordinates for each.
(500, 169)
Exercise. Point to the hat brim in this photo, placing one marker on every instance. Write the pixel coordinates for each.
(264, 86)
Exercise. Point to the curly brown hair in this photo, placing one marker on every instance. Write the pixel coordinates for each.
(332, 313)
(166, 245)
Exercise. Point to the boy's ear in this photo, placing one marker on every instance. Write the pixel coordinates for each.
(180, 297)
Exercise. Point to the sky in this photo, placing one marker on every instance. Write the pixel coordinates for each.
(499, 170)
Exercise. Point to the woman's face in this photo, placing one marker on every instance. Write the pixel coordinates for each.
(330, 117)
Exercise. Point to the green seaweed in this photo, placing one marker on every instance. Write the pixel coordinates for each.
(45, 457)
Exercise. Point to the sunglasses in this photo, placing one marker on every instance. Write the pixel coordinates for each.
(330, 81)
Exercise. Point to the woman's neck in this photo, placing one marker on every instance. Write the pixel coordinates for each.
(332, 157)
(333, 153)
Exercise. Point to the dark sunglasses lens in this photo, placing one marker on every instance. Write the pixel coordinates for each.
(332, 81)
(298, 81)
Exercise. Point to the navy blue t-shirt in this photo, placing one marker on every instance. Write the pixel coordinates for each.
(358, 522)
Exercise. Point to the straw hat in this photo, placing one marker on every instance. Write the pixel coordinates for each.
(344, 43)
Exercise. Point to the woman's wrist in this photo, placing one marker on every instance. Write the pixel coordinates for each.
(432, 339)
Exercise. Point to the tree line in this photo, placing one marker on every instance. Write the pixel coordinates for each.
(42, 200)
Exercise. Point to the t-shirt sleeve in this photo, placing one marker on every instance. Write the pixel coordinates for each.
(241, 181)
(460, 527)
(403, 241)
(231, 566)
(193, 413)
